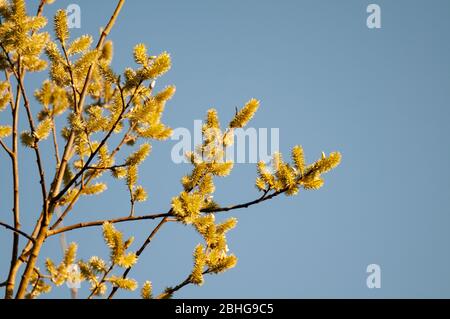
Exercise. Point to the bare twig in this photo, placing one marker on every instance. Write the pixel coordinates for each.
(6, 148)
(171, 290)
(141, 249)
(103, 141)
(17, 231)
(68, 148)
(42, 232)
(55, 143)
(101, 281)
(101, 222)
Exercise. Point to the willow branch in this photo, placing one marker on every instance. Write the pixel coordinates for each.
(141, 249)
(172, 290)
(6, 148)
(68, 148)
(103, 142)
(117, 149)
(19, 77)
(17, 231)
(70, 206)
(153, 216)
(41, 7)
(69, 67)
(101, 222)
(263, 198)
(101, 281)
(16, 204)
(41, 234)
(106, 167)
(55, 143)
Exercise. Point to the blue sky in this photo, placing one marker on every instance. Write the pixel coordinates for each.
(381, 97)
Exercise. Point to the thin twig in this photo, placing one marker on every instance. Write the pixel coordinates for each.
(101, 222)
(103, 142)
(172, 290)
(68, 148)
(141, 249)
(55, 143)
(17, 231)
(6, 148)
(101, 281)
(16, 262)
(41, 233)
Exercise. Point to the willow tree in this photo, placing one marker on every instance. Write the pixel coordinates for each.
(98, 103)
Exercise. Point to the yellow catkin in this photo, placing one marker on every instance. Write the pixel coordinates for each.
(244, 115)
(147, 290)
(199, 264)
(139, 156)
(5, 131)
(299, 158)
(160, 65)
(80, 44)
(140, 54)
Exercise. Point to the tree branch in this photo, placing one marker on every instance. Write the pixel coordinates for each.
(101, 222)
(17, 231)
(68, 148)
(172, 290)
(261, 199)
(101, 281)
(55, 143)
(16, 202)
(142, 248)
(104, 140)
(6, 148)
(42, 232)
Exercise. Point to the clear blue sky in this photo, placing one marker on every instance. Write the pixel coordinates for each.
(381, 97)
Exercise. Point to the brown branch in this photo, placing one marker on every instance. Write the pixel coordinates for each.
(55, 143)
(35, 285)
(17, 231)
(124, 139)
(6, 148)
(101, 281)
(70, 206)
(19, 77)
(171, 290)
(36, 147)
(41, 7)
(101, 222)
(68, 148)
(117, 149)
(141, 249)
(261, 199)
(16, 203)
(54, 231)
(41, 233)
(103, 142)
(106, 167)
(69, 67)
(16, 262)
(170, 213)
